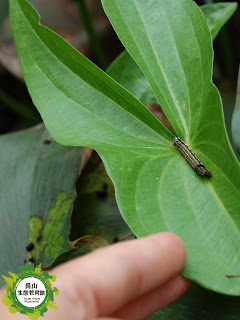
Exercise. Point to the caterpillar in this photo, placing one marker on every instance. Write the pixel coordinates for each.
(195, 163)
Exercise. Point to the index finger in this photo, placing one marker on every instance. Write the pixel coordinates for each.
(105, 280)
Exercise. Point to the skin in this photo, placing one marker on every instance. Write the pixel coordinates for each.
(127, 280)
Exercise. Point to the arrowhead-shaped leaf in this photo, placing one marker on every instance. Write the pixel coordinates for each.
(156, 189)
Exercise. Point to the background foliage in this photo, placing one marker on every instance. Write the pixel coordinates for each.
(139, 86)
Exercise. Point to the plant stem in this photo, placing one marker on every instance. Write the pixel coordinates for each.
(88, 24)
(18, 108)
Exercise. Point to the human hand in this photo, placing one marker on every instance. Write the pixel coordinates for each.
(127, 280)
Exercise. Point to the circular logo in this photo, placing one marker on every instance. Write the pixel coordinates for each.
(30, 291)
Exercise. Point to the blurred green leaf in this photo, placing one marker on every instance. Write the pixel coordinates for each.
(90, 242)
(66, 256)
(236, 118)
(36, 195)
(156, 189)
(95, 210)
(81, 246)
(199, 304)
(95, 215)
(217, 14)
(3, 10)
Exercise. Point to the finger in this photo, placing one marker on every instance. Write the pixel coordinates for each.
(4, 310)
(155, 300)
(107, 279)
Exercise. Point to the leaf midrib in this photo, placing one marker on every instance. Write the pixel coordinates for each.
(157, 60)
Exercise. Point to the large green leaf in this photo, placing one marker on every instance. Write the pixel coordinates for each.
(36, 195)
(217, 14)
(197, 303)
(156, 189)
(178, 65)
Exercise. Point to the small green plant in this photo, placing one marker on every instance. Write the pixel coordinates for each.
(156, 189)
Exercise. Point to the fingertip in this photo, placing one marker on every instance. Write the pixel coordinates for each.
(173, 244)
